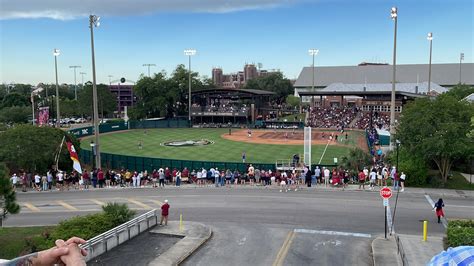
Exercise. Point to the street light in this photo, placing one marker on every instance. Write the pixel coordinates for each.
(394, 16)
(33, 94)
(56, 53)
(94, 22)
(189, 53)
(430, 38)
(82, 74)
(461, 58)
(75, 83)
(313, 53)
(149, 65)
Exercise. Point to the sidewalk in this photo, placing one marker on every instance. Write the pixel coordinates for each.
(416, 251)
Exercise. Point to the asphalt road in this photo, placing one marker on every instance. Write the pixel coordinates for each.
(260, 226)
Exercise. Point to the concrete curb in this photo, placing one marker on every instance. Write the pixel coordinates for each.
(384, 251)
(195, 235)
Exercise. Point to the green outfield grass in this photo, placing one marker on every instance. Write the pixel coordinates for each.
(126, 143)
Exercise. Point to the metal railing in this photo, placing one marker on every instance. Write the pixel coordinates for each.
(401, 251)
(106, 241)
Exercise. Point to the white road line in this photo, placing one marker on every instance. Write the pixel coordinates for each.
(432, 204)
(334, 233)
(324, 152)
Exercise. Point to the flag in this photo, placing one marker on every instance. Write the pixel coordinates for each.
(73, 154)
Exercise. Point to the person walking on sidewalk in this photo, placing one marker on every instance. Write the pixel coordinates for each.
(439, 209)
(164, 213)
(402, 181)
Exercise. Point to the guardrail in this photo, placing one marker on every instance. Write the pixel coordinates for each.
(401, 251)
(106, 241)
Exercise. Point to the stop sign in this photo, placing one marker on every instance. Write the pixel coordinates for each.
(386, 193)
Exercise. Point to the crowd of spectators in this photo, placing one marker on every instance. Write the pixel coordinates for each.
(223, 106)
(332, 117)
(379, 121)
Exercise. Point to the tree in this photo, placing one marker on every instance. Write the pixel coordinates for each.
(33, 148)
(107, 103)
(460, 91)
(436, 130)
(15, 114)
(274, 82)
(292, 101)
(8, 203)
(15, 99)
(356, 160)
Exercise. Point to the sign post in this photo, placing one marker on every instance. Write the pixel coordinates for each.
(385, 193)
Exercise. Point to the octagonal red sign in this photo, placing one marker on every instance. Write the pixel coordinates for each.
(386, 193)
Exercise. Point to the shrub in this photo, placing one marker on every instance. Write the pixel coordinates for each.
(118, 213)
(460, 233)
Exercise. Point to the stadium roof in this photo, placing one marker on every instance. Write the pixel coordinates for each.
(408, 89)
(443, 74)
(247, 91)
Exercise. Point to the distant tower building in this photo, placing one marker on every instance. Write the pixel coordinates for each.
(250, 72)
(217, 77)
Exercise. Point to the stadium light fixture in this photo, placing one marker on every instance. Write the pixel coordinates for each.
(189, 53)
(394, 16)
(430, 38)
(461, 58)
(94, 21)
(313, 53)
(149, 65)
(75, 83)
(56, 53)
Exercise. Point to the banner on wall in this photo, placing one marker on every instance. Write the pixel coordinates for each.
(43, 116)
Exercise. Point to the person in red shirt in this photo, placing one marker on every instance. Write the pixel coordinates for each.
(164, 213)
(185, 175)
(362, 180)
(100, 176)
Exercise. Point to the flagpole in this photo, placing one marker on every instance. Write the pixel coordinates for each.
(59, 152)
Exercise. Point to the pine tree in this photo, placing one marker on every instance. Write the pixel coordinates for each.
(8, 203)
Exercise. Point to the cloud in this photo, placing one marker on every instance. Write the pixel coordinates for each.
(72, 9)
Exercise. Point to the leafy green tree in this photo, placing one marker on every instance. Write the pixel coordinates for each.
(8, 203)
(107, 102)
(356, 160)
(15, 114)
(436, 130)
(460, 91)
(292, 101)
(33, 148)
(69, 108)
(15, 99)
(22, 89)
(274, 82)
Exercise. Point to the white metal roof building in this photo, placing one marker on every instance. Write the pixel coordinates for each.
(446, 75)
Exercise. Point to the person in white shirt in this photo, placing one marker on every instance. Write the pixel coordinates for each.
(402, 181)
(14, 180)
(373, 177)
(326, 176)
(204, 176)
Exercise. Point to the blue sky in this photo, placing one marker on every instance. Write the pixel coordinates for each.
(276, 33)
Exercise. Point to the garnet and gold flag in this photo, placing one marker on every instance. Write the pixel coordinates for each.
(75, 159)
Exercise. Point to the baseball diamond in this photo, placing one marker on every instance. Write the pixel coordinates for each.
(264, 146)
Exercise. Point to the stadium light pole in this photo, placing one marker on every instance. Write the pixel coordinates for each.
(189, 53)
(82, 74)
(461, 58)
(94, 22)
(430, 38)
(75, 83)
(149, 65)
(313, 53)
(394, 16)
(56, 53)
(110, 81)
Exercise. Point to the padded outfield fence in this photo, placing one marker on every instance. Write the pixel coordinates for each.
(137, 163)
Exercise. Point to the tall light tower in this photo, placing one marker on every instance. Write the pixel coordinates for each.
(394, 16)
(430, 38)
(313, 53)
(189, 53)
(75, 83)
(110, 79)
(82, 74)
(56, 53)
(461, 58)
(149, 65)
(94, 22)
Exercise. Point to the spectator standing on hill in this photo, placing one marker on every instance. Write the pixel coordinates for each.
(164, 212)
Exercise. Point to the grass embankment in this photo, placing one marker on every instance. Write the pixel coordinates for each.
(13, 240)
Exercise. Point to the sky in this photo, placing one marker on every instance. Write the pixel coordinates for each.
(227, 34)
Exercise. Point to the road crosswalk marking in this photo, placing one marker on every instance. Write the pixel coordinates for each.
(157, 202)
(136, 202)
(67, 206)
(98, 202)
(31, 207)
